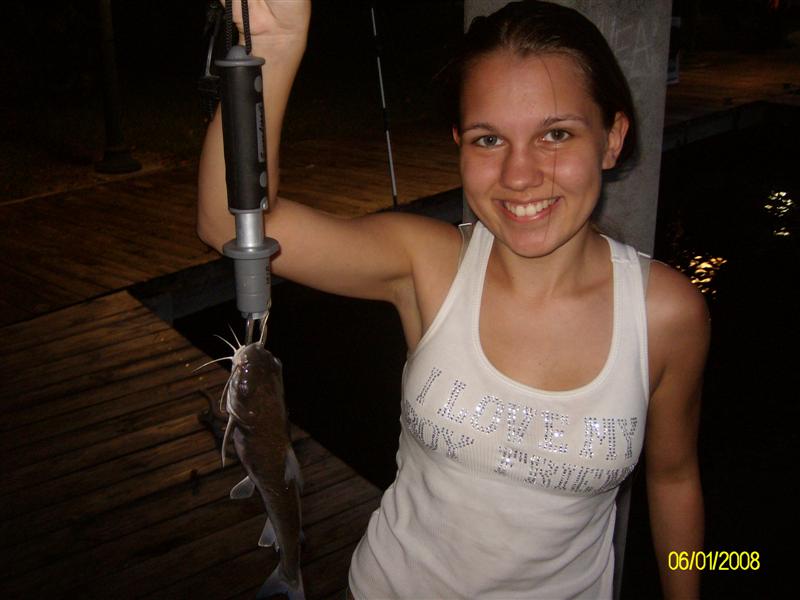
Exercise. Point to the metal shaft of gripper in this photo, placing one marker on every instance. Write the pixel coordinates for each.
(243, 131)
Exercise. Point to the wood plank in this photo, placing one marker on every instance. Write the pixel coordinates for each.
(63, 341)
(323, 576)
(182, 438)
(22, 289)
(92, 255)
(87, 506)
(57, 470)
(79, 280)
(67, 320)
(71, 450)
(100, 250)
(62, 365)
(153, 237)
(129, 535)
(165, 387)
(97, 386)
(241, 537)
(12, 312)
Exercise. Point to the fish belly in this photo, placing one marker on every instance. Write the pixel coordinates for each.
(276, 476)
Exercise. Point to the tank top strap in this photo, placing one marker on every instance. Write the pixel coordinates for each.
(634, 268)
(621, 253)
(465, 229)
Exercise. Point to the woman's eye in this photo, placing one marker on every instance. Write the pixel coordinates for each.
(556, 135)
(488, 141)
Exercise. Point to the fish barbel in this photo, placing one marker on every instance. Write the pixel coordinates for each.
(259, 428)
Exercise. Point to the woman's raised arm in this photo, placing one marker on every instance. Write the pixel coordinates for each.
(378, 256)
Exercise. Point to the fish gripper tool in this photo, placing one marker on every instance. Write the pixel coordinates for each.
(243, 131)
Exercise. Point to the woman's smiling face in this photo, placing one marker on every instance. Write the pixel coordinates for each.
(533, 148)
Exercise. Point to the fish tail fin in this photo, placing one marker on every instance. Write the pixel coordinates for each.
(277, 584)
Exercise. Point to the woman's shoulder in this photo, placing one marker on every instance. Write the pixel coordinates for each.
(672, 297)
(426, 239)
(677, 320)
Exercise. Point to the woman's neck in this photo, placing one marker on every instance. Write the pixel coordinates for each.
(565, 270)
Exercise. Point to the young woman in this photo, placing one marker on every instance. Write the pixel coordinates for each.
(538, 357)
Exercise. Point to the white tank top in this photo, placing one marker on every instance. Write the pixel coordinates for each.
(503, 490)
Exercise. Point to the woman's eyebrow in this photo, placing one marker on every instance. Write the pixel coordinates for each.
(479, 125)
(547, 122)
(559, 118)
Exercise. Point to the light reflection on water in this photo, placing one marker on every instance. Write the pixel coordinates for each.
(701, 271)
(702, 268)
(780, 206)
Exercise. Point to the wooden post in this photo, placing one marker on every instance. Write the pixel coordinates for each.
(116, 155)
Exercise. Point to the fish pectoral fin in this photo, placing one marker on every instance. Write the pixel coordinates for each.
(292, 472)
(243, 489)
(268, 537)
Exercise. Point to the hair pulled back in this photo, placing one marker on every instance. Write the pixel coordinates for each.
(533, 27)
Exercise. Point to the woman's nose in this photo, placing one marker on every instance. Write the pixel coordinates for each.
(522, 168)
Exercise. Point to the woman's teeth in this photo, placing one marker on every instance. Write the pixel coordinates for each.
(530, 209)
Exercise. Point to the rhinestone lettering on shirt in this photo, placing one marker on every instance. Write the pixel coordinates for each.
(522, 431)
(605, 434)
(446, 411)
(551, 434)
(516, 429)
(628, 434)
(494, 420)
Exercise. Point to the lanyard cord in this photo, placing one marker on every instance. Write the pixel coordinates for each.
(229, 25)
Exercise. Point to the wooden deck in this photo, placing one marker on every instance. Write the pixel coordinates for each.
(64, 248)
(713, 82)
(111, 486)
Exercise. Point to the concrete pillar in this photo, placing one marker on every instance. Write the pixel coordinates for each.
(638, 32)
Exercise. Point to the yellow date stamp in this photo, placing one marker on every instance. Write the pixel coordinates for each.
(713, 560)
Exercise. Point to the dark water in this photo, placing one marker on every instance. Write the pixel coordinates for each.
(728, 218)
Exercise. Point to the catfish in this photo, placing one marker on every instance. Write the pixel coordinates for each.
(259, 428)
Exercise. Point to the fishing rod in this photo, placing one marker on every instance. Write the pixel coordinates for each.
(246, 178)
(384, 107)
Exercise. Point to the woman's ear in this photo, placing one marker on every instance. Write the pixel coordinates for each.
(456, 136)
(615, 140)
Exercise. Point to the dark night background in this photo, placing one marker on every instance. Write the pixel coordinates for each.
(51, 123)
(51, 132)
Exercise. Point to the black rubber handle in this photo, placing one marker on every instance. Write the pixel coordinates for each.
(243, 130)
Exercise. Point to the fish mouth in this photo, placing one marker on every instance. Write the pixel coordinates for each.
(528, 210)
